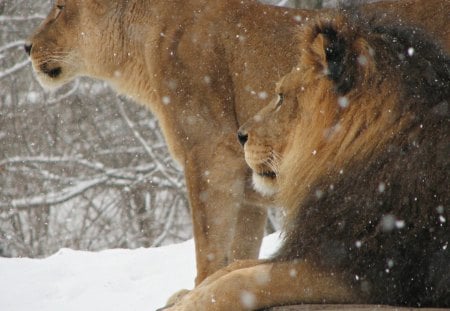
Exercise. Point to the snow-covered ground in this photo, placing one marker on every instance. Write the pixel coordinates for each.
(112, 280)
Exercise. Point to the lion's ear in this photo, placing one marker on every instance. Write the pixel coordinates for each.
(342, 54)
(332, 49)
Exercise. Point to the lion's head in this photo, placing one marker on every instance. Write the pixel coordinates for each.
(352, 91)
(68, 40)
(265, 137)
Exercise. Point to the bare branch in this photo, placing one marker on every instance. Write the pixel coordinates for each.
(12, 45)
(160, 166)
(67, 94)
(14, 68)
(4, 18)
(54, 197)
(167, 224)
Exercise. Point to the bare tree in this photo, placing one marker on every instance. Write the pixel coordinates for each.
(80, 167)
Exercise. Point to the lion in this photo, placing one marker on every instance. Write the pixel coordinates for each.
(356, 148)
(203, 68)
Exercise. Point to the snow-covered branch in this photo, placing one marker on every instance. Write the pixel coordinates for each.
(53, 197)
(14, 68)
(67, 94)
(52, 160)
(168, 223)
(12, 45)
(4, 18)
(162, 167)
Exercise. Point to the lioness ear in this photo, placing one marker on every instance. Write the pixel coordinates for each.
(333, 50)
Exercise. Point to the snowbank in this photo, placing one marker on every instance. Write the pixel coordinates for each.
(113, 280)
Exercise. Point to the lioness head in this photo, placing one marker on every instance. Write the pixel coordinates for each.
(62, 47)
(339, 105)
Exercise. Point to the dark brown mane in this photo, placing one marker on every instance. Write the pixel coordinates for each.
(382, 220)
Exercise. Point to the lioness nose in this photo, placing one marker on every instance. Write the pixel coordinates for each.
(27, 48)
(242, 137)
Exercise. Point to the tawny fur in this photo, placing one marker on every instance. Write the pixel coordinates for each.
(203, 67)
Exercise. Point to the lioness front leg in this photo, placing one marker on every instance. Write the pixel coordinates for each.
(265, 285)
(215, 177)
(250, 225)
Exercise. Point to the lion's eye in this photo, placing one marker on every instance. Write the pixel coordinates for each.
(280, 101)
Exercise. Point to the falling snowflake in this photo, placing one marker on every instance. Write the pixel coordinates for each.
(263, 277)
(293, 273)
(33, 97)
(381, 187)
(362, 60)
(166, 100)
(388, 222)
(262, 95)
(390, 263)
(343, 102)
(257, 118)
(248, 299)
(298, 18)
(319, 193)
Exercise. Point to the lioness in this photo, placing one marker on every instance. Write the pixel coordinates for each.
(357, 147)
(203, 68)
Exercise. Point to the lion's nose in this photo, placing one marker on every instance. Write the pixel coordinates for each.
(27, 48)
(242, 137)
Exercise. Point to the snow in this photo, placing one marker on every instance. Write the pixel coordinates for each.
(343, 102)
(33, 97)
(118, 279)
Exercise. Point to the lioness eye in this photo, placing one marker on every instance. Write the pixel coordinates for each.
(280, 101)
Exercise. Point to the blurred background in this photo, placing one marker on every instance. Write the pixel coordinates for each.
(82, 167)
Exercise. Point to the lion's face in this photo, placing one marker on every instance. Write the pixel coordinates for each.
(266, 136)
(271, 132)
(61, 47)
